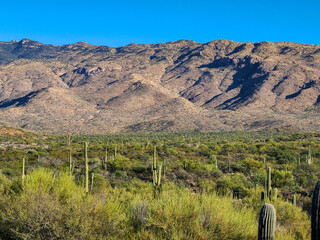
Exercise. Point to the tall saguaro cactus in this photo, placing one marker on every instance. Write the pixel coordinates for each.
(156, 171)
(315, 213)
(70, 162)
(164, 169)
(269, 183)
(105, 160)
(92, 178)
(70, 155)
(263, 197)
(294, 200)
(309, 157)
(87, 166)
(267, 222)
(23, 170)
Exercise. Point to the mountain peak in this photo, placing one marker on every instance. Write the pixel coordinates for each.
(26, 41)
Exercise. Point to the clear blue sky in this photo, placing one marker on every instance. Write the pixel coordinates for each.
(117, 23)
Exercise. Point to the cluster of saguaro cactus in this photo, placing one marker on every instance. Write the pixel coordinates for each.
(267, 222)
(315, 213)
(87, 166)
(156, 171)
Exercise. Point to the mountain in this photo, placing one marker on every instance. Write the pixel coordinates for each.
(176, 86)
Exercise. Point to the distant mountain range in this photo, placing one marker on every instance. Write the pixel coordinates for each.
(176, 86)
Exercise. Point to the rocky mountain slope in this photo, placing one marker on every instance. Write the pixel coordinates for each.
(174, 86)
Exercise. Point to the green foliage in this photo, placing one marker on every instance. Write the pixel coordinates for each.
(119, 163)
(192, 163)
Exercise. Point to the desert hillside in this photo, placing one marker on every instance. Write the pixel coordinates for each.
(174, 86)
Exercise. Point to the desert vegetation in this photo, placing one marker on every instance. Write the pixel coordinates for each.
(158, 186)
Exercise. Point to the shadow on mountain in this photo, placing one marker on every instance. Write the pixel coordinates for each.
(249, 77)
(22, 101)
(306, 86)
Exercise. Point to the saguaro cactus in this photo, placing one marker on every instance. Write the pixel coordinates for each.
(70, 162)
(104, 162)
(87, 166)
(294, 201)
(269, 183)
(263, 198)
(156, 171)
(309, 157)
(164, 169)
(315, 213)
(23, 169)
(267, 222)
(275, 193)
(92, 178)
(157, 177)
(216, 163)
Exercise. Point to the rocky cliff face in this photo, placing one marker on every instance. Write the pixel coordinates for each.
(174, 86)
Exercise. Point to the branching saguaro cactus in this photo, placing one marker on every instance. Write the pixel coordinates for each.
(267, 222)
(87, 166)
(269, 183)
(156, 171)
(315, 213)
(157, 177)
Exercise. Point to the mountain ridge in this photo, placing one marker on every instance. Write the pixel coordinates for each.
(181, 85)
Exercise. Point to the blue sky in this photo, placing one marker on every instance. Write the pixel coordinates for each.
(117, 23)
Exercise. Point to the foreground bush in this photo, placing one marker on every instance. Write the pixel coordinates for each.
(53, 206)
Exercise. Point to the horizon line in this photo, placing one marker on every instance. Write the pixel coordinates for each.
(173, 41)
